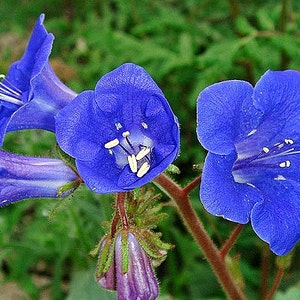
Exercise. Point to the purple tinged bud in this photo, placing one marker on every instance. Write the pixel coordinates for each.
(139, 282)
(24, 177)
(106, 278)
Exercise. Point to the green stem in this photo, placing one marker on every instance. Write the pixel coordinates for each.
(196, 228)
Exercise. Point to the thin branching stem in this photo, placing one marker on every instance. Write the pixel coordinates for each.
(196, 228)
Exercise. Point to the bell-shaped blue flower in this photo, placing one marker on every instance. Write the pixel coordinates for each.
(23, 177)
(121, 135)
(252, 169)
(30, 93)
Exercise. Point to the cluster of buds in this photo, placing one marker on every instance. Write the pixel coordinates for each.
(127, 255)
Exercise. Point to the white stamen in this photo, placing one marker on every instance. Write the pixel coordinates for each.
(143, 152)
(279, 146)
(110, 152)
(112, 144)
(143, 169)
(132, 163)
(266, 149)
(2, 76)
(289, 141)
(145, 125)
(284, 164)
(252, 132)
(280, 177)
(250, 184)
(125, 134)
(118, 125)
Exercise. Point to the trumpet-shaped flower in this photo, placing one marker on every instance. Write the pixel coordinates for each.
(252, 169)
(30, 93)
(130, 273)
(121, 135)
(24, 177)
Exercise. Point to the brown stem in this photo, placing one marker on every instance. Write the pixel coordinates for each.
(229, 243)
(121, 209)
(196, 228)
(276, 284)
(265, 266)
(193, 184)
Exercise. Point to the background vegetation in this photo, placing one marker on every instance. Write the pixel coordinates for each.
(185, 46)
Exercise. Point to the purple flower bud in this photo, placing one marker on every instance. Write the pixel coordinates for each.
(138, 281)
(31, 94)
(24, 177)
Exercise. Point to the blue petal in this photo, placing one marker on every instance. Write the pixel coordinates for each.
(221, 195)
(277, 95)
(20, 72)
(82, 129)
(224, 115)
(47, 96)
(276, 219)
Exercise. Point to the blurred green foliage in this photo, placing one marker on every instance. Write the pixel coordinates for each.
(185, 46)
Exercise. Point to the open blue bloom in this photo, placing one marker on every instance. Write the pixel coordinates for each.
(31, 94)
(252, 169)
(121, 135)
(24, 177)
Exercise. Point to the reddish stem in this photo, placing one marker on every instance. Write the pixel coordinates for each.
(276, 284)
(196, 228)
(121, 209)
(229, 243)
(193, 184)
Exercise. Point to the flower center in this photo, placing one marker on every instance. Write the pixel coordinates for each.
(9, 93)
(133, 149)
(278, 157)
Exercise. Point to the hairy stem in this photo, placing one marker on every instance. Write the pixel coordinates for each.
(196, 228)
(229, 243)
(121, 209)
(275, 284)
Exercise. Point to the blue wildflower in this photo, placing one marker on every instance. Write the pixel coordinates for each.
(252, 169)
(31, 94)
(24, 177)
(121, 135)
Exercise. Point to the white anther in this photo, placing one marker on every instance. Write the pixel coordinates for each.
(132, 163)
(143, 152)
(143, 169)
(284, 164)
(252, 132)
(280, 177)
(145, 125)
(118, 125)
(281, 145)
(2, 76)
(110, 152)
(125, 134)
(289, 141)
(112, 144)
(266, 149)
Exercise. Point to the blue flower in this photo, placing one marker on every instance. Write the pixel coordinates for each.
(121, 135)
(252, 169)
(24, 177)
(31, 94)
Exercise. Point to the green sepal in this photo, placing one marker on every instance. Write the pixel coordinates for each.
(125, 252)
(172, 169)
(68, 160)
(106, 256)
(69, 187)
(284, 262)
